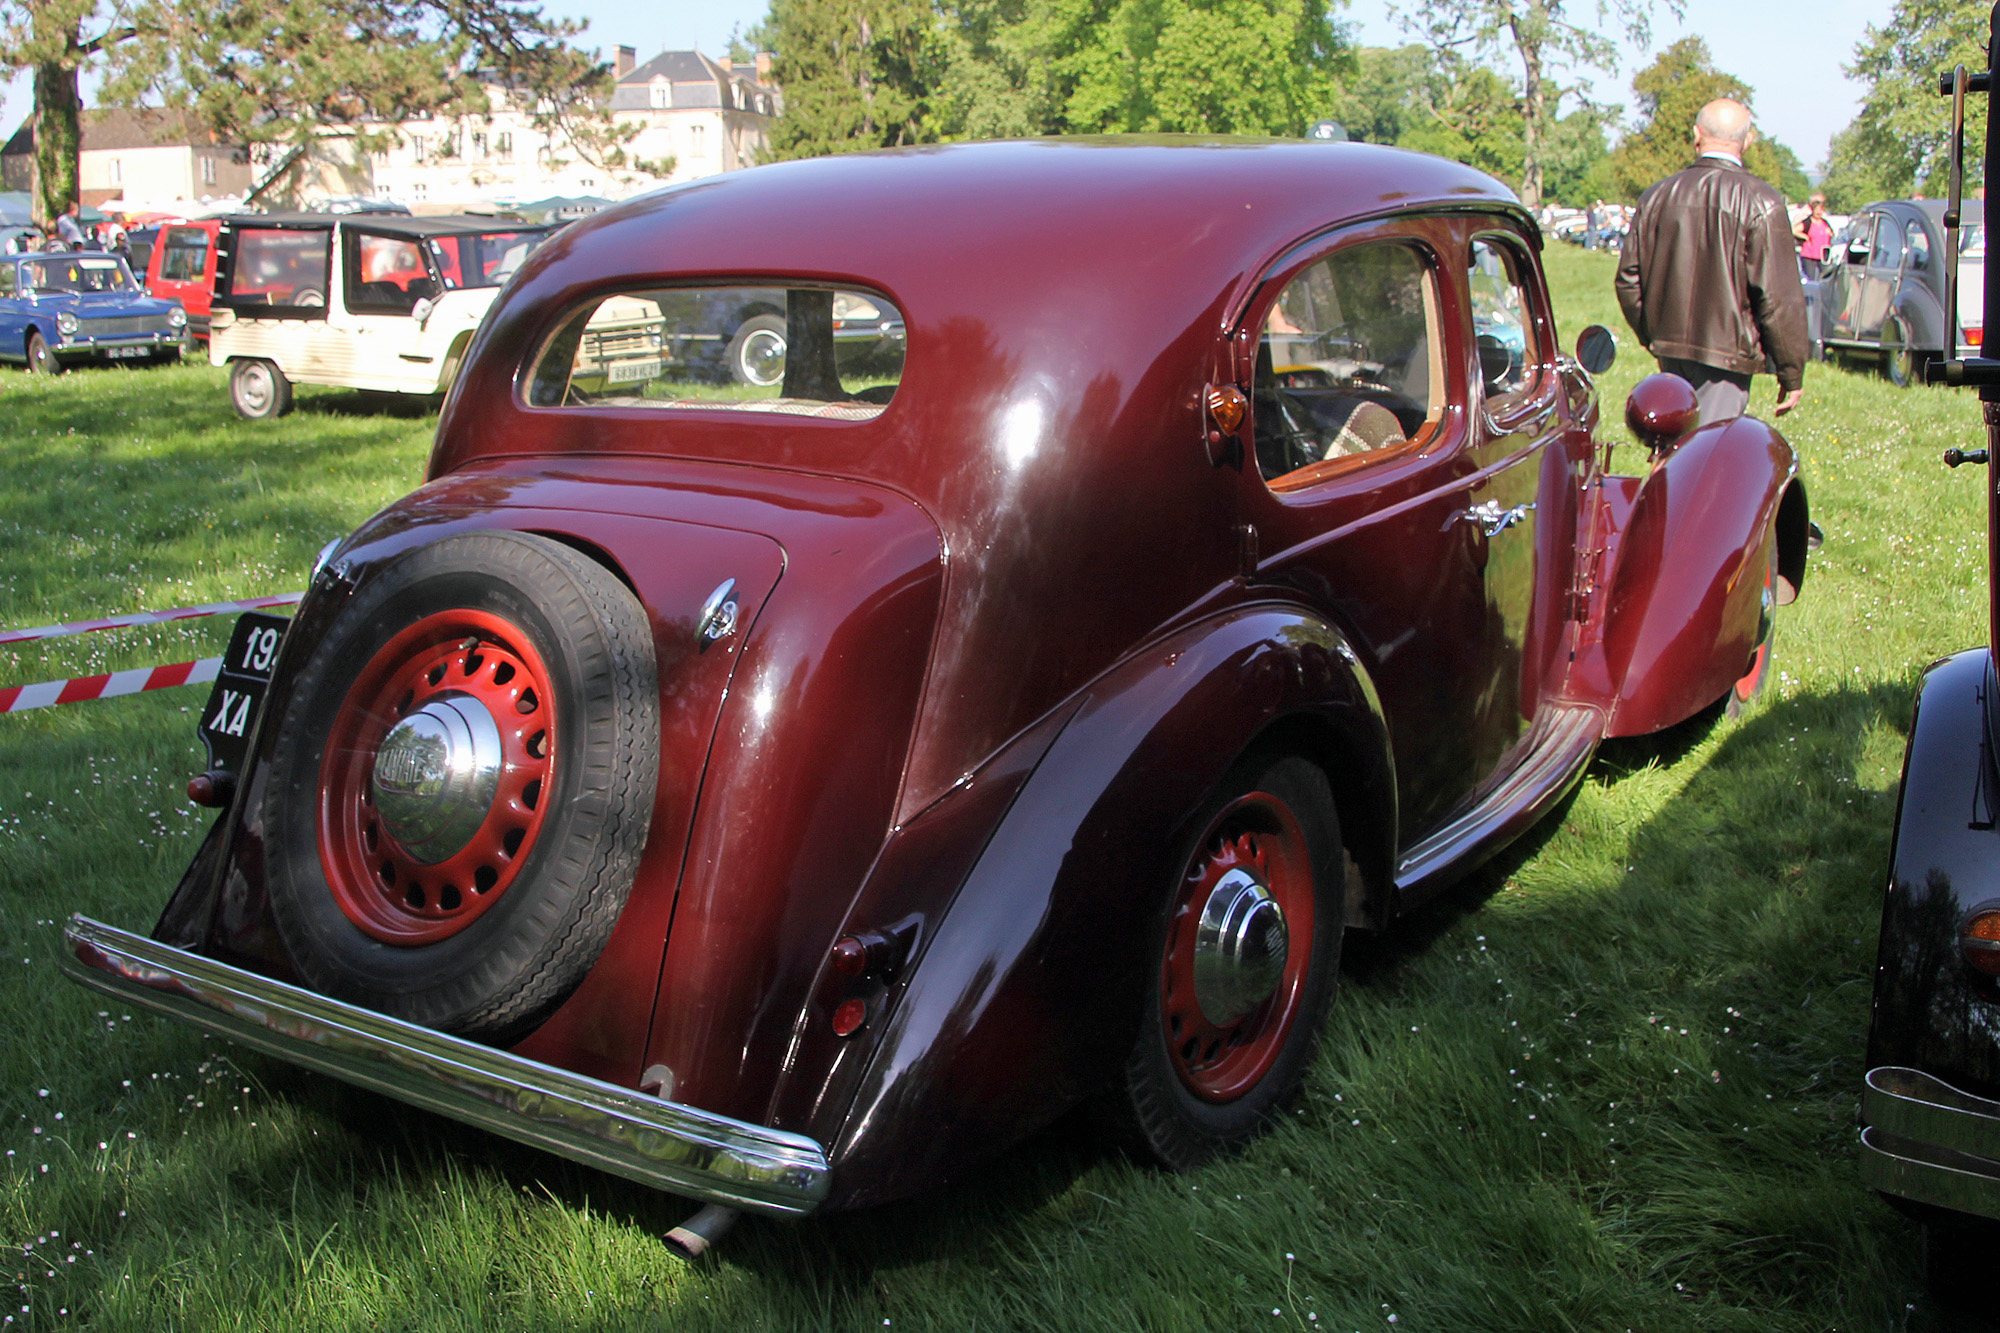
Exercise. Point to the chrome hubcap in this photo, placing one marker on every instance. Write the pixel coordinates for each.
(435, 776)
(1239, 949)
(764, 358)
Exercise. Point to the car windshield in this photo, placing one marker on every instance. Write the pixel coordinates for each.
(486, 259)
(78, 273)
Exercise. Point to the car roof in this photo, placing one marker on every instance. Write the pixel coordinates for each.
(448, 224)
(996, 224)
(1970, 210)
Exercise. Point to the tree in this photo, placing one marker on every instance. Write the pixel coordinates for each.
(1671, 92)
(1899, 141)
(1541, 35)
(287, 72)
(977, 69)
(857, 74)
(1192, 66)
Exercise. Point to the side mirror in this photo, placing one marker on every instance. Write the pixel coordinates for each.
(1661, 412)
(421, 311)
(1596, 349)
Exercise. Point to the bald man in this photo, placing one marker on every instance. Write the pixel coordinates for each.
(1709, 278)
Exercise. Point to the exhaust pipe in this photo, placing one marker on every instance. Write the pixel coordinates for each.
(692, 1238)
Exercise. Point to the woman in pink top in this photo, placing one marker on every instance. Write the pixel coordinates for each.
(1813, 234)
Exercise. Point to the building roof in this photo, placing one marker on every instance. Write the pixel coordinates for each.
(115, 128)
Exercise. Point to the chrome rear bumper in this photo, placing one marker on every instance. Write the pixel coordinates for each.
(662, 1144)
(1926, 1140)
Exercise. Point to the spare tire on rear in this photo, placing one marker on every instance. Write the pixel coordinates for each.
(462, 784)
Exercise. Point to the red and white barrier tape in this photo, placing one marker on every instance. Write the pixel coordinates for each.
(144, 618)
(49, 693)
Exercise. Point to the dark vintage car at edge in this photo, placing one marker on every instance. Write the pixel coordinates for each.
(1930, 1104)
(791, 800)
(58, 310)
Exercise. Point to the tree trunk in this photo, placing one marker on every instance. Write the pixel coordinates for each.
(58, 142)
(1533, 107)
(866, 82)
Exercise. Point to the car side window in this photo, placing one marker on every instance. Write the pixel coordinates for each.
(1348, 363)
(1860, 238)
(186, 254)
(386, 275)
(1917, 245)
(1502, 326)
(6, 279)
(1888, 245)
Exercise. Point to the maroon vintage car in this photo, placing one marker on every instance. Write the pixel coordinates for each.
(787, 795)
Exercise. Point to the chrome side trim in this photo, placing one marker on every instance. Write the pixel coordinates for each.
(657, 1143)
(1559, 754)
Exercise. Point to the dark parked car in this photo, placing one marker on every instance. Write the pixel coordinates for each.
(1880, 293)
(791, 795)
(60, 309)
(1930, 1105)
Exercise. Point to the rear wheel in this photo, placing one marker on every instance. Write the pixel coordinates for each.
(1246, 954)
(462, 784)
(41, 360)
(259, 390)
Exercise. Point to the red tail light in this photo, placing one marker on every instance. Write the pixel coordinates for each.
(1972, 332)
(1979, 941)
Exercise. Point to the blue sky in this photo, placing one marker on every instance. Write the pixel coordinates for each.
(1791, 54)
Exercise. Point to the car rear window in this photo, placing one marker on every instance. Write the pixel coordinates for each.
(280, 266)
(802, 351)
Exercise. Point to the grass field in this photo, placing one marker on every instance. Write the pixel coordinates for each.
(1610, 1083)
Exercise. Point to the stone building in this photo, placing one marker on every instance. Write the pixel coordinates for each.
(142, 156)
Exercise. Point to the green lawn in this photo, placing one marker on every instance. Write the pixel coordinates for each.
(1608, 1084)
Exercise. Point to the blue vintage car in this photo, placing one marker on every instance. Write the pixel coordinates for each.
(57, 309)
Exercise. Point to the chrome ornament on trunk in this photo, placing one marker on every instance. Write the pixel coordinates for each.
(1239, 950)
(436, 774)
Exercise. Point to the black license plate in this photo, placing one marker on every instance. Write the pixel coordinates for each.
(238, 694)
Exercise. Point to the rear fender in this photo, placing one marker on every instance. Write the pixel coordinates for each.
(1028, 992)
(1682, 613)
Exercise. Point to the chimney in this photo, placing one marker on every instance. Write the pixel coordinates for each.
(628, 56)
(763, 67)
(726, 63)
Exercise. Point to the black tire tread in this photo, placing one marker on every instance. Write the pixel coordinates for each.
(1146, 1111)
(521, 976)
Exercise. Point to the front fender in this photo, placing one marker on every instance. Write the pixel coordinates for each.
(1682, 614)
(1028, 993)
(1931, 1011)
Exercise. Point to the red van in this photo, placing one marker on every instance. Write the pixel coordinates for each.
(182, 268)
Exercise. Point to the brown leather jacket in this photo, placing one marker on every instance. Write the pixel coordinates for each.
(1710, 274)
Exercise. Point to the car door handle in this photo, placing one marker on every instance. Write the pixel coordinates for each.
(1492, 519)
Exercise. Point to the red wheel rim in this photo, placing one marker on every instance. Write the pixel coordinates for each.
(384, 890)
(1259, 835)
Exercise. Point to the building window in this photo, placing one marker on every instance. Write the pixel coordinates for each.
(697, 141)
(207, 170)
(479, 145)
(663, 93)
(503, 143)
(418, 143)
(420, 190)
(117, 172)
